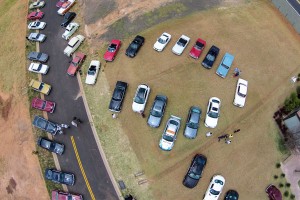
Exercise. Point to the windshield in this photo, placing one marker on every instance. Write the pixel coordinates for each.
(117, 96)
(44, 105)
(198, 45)
(112, 48)
(225, 66)
(140, 96)
(162, 41)
(41, 86)
(192, 125)
(214, 192)
(213, 114)
(194, 176)
(210, 57)
(157, 111)
(133, 46)
(168, 138)
(51, 127)
(240, 93)
(92, 70)
(181, 42)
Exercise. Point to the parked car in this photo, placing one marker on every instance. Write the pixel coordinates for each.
(240, 93)
(215, 188)
(36, 37)
(162, 41)
(197, 48)
(118, 96)
(37, 4)
(69, 16)
(112, 50)
(211, 57)
(135, 46)
(60, 177)
(73, 44)
(65, 7)
(38, 56)
(192, 122)
(43, 105)
(60, 3)
(76, 63)
(35, 15)
(195, 171)
(37, 25)
(169, 135)
(93, 72)
(140, 98)
(180, 45)
(157, 111)
(225, 65)
(59, 195)
(213, 112)
(51, 146)
(273, 192)
(40, 86)
(38, 68)
(45, 125)
(70, 29)
(232, 195)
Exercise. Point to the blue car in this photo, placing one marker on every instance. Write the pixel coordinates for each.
(225, 65)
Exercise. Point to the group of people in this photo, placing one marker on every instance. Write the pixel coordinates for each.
(74, 122)
(226, 137)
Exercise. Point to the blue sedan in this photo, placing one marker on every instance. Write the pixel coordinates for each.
(225, 65)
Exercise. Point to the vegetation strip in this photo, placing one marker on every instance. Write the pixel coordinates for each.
(81, 168)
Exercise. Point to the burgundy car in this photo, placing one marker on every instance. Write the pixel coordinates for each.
(35, 15)
(59, 195)
(76, 62)
(112, 50)
(43, 105)
(60, 3)
(197, 48)
(273, 192)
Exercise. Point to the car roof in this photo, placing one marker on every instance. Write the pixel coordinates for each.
(228, 59)
(73, 41)
(171, 130)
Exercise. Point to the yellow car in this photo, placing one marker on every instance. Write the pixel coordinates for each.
(40, 86)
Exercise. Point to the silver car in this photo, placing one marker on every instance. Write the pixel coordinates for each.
(36, 37)
(38, 56)
(192, 122)
(157, 111)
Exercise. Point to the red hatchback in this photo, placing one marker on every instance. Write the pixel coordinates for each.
(197, 48)
(59, 195)
(60, 3)
(43, 105)
(112, 50)
(273, 192)
(76, 62)
(35, 15)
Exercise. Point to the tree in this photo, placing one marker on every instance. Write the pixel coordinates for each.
(292, 102)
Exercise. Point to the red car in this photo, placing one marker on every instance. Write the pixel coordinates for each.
(273, 192)
(43, 105)
(76, 63)
(112, 50)
(60, 3)
(35, 15)
(197, 48)
(59, 195)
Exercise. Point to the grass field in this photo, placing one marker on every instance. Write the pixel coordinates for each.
(266, 49)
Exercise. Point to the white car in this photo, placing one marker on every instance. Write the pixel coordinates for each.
(215, 188)
(70, 29)
(73, 44)
(38, 68)
(140, 98)
(37, 4)
(36, 37)
(170, 133)
(162, 42)
(36, 25)
(213, 112)
(240, 93)
(92, 73)
(180, 45)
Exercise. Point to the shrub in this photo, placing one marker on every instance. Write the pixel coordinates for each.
(287, 185)
(292, 196)
(292, 102)
(278, 165)
(280, 185)
(282, 175)
(286, 193)
(275, 177)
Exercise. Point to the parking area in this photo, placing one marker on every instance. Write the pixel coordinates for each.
(266, 50)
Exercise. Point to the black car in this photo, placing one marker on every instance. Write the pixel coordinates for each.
(135, 46)
(38, 56)
(51, 145)
(231, 195)
(46, 125)
(210, 57)
(69, 16)
(194, 173)
(118, 96)
(60, 177)
(192, 122)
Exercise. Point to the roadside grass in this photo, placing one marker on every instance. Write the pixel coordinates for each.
(248, 31)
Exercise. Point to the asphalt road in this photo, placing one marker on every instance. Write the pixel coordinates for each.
(296, 5)
(69, 103)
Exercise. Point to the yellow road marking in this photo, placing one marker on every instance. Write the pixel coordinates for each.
(81, 168)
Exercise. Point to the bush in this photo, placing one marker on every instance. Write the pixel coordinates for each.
(286, 193)
(298, 91)
(280, 185)
(275, 177)
(287, 185)
(278, 165)
(282, 175)
(292, 102)
(292, 196)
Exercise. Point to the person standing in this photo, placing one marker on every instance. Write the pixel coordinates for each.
(74, 121)
(227, 141)
(208, 134)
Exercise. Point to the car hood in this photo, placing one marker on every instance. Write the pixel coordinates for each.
(154, 121)
(159, 45)
(190, 182)
(136, 107)
(130, 52)
(46, 89)
(59, 149)
(177, 49)
(72, 70)
(195, 52)
(190, 132)
(166, 145)
(44, 69)
(68, 49)
(69, 179)
(115, 105)
(239, 101)
(49, 106)
(222, 71)
(211, 122)
(109, 55)
(90, 79)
